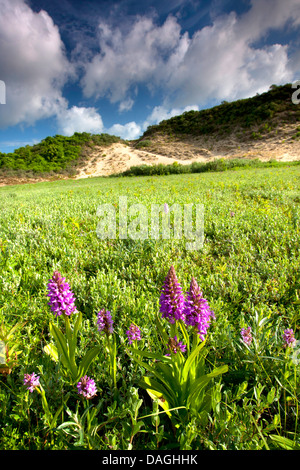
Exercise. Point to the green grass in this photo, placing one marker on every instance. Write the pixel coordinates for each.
(219, 164)
(248, 270)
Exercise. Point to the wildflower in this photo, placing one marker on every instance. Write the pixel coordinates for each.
(166, 208)
(289, 338)
(31, 381)
(61, 297)
(172, 298)
(134, 333)
(174, 345)
(197, 311)
(105, 322)
(87, 387)
(246, 335)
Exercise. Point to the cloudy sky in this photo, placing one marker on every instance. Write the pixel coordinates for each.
(120, 66)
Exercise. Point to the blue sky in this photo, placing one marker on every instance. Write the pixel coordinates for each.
(120, 66)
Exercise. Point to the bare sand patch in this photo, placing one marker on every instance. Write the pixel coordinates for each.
(278, 145)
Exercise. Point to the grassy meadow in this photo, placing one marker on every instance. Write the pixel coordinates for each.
(248, 270)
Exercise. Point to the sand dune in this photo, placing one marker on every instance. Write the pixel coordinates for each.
(280, 144)
(119, 157)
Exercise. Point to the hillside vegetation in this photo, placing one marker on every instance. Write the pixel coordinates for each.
(265, 111)
(264, 127)
(58, 154)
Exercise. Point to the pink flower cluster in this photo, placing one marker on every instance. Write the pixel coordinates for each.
(193, 309)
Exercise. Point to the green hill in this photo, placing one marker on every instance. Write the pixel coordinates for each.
(53, 155)
(265, 111)
(270, 115)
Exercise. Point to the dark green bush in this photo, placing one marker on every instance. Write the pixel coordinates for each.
(269, 106)
(55, 154)
(198, 167)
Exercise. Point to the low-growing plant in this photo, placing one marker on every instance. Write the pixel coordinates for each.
(178, 380)
(248, 268)
(9, 347)
(62, 304)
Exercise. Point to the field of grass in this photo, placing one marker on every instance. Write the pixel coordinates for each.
(248, 270)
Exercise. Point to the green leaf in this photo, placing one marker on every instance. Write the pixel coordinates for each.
(161, 330)
(218, 371)
(63, 350)
(158, 388)
(68, 330)
(137, 427)
(195, 390)
(51, 350)
(61, 344)
(164, 404)
(156, 374)
(271, 395)
(149, 355)
(77, 325)
(53, 422)
(189, 362)
(87, 360)
(13, 329)
(72, 343)
(285, 443)
(185, 335)
(169, 374)
(200, 383)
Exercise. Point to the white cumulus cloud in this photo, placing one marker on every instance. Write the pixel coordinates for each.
(128, 131)
(34, 66)
(143, 54)
(161, 113)
(79, 119)
(220, 61)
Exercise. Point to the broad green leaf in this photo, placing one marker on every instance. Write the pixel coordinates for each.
(149, 355)
(87, 360)
(60, 340)
(149, 382)
(164, 404)
(72, 343)
(13, 329)
(218, 371)
(51, 350)
(189, 361)
(271, 395)
(155, 373)
(169, 373)
(62, 348)
(77, 325)
(204, 380)
(195, 390)
(285, 443)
